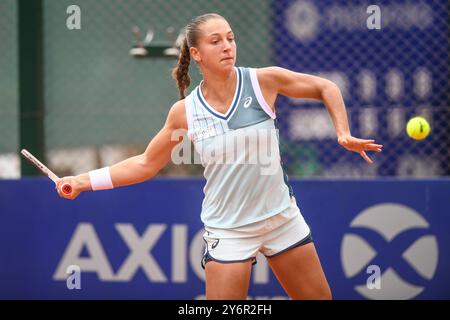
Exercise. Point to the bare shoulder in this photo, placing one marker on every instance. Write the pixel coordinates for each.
(269, 72)
(176, 119)
(271, 76)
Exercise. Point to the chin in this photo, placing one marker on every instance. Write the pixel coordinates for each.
(227, 65)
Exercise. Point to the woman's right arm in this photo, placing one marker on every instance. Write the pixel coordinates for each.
(141, 167)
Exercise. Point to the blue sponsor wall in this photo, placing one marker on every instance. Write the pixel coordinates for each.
(144, 241)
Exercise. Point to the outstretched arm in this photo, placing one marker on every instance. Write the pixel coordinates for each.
(276, 80)
(140, 167)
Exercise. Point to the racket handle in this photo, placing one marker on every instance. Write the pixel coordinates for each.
(66, 188)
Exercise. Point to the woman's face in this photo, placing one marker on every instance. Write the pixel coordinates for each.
(216, 49)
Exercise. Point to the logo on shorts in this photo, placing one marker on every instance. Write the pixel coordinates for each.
(215, 243)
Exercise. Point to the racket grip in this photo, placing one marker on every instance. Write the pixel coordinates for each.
(66, 188)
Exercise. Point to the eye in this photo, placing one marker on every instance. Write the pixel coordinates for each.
(215, 41)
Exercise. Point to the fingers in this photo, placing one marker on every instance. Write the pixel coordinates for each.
(364, 155)
(361, 146)
(373, 147)
(367, 145)
(353, 142)
(59, 185)
(358, 140)
(59, 192)
(366, 140)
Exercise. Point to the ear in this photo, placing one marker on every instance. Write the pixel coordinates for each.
(195, 54)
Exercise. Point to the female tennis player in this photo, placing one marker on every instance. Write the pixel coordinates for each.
(245, 210)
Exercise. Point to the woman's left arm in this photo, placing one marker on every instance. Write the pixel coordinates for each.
(276, 80)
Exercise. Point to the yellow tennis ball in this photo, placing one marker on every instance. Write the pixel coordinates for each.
(418, 128)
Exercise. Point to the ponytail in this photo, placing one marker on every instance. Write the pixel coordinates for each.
(181, 71)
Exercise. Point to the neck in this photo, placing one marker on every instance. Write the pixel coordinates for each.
(219, 86)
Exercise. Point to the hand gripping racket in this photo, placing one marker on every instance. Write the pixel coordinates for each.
(66, 188)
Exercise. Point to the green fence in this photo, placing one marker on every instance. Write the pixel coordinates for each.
(102, 105)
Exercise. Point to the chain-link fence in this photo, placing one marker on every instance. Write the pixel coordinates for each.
(103, 105)
(9, 164)
(386, 75)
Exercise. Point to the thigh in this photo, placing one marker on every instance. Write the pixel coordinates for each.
(300, 273)
(228, 281)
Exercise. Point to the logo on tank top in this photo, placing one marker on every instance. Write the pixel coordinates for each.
(248, 102)
(204, 133)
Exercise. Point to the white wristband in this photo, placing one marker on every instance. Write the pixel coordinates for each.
(100, 179)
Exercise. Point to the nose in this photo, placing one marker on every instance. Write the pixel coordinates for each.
(226, 46)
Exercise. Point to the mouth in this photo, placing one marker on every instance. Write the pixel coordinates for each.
(227, 58)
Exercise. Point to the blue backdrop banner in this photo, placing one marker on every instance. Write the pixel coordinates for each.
(376, 239)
